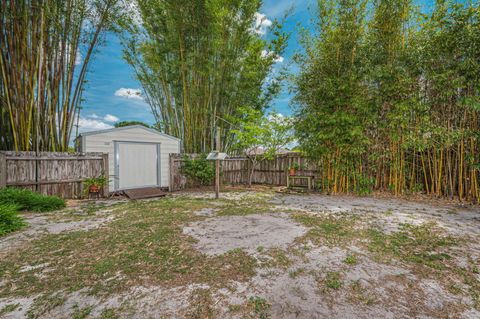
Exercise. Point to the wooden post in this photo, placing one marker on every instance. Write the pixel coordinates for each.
(170, 173)
(217, 167)
(3, 170)
(37, 172)
(106, 173)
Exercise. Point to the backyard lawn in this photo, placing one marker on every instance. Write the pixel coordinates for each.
(250, 254)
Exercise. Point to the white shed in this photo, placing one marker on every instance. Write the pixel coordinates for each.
(138, 156)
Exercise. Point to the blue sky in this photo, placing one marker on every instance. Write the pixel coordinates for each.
(109, 73)
(106, 102)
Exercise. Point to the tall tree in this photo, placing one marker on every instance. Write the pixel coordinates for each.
(331, 92)
(199, 62)
(45, 51)
(392, 79)
(260, 137)
(402, 114)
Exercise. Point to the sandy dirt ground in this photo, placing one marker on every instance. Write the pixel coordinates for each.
(74, 219)
(314, 281)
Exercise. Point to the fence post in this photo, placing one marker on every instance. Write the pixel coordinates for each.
(170, 173)
(106, 173)
(3, 170)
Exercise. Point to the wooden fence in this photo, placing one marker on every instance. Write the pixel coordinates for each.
(236, 170)
(49, 173)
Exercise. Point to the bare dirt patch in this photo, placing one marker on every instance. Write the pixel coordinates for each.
(250, 255)
(86, 216)
(218, 235)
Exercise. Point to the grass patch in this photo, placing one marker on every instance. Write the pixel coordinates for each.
(333, 280)
(81, 313)
(43, 304)
(351, 260)
(328, 229)
(92, 208)
(143, 246)
(423, 244)
(469, 278)
(109, 314)
(9, 308)
(259, 306)
(297, 272)
(275, 258)
(10, 221)
(247, 205)
(28, 200)
(361, 294)
(203, 305)
(234, 308)
(427, 246)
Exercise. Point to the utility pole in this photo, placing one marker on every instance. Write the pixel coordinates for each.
(217, 166)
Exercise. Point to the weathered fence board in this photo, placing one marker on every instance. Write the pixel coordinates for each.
(236, 170)
(3, 170)
(52, 173)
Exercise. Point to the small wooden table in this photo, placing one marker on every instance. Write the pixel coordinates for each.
(309, 179)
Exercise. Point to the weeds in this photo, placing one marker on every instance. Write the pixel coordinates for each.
(275, 258)
(328, 229)
(260, 307)
(109, 314)
(350, 260)
(423, 244)
(43, 304)
(28, 200)
(81, 313)
(297, 272)
(202, 302)
(333, 280)
(145, 244)
(361, 294)
(10, 221)
(248, 205)
(9, 308)
(427, 246)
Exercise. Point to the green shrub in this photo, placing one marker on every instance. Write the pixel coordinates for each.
(30, 201)
(365, 185)
(99, 182)
(199, 170)
(9, 219)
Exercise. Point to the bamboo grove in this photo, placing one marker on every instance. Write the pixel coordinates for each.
(388, 97)
(199, 62)
(46, 47)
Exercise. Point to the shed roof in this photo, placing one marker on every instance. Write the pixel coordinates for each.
(116, 129)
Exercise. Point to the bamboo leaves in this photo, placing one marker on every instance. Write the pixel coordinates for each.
(393, 97)
(46, 48)
(199, 62)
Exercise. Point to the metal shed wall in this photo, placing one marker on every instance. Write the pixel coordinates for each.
(104, 141)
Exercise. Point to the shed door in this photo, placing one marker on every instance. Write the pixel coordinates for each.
(137, 164)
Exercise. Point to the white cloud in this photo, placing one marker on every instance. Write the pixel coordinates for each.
(67, 54)
(93, 116)
(130, 8)
(278, 118)
(268, 54)
(129, 93)
(86, 125)
(274, 115)
(262, 23)
(111, 118)
(78, 58)
(279, 59)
